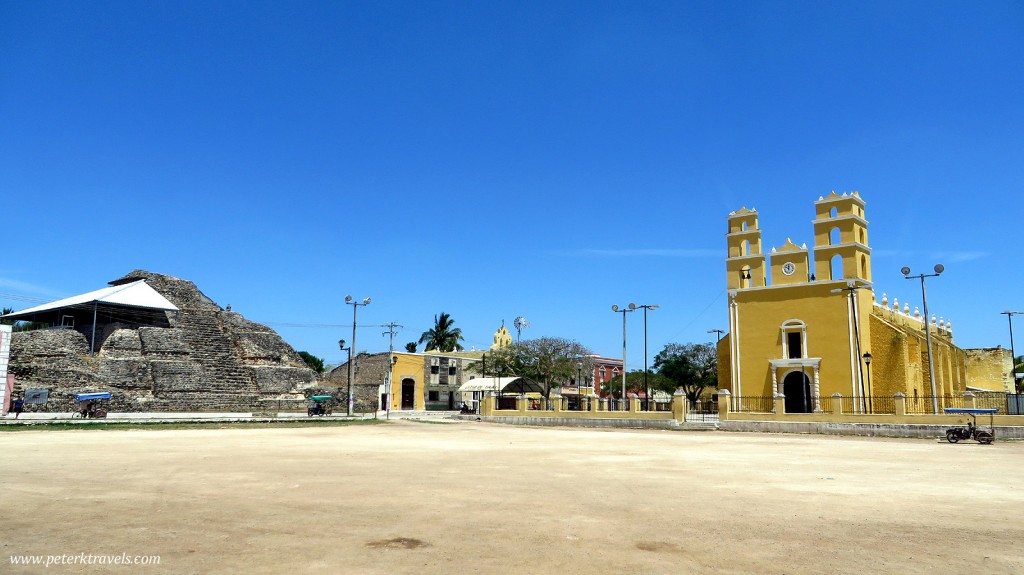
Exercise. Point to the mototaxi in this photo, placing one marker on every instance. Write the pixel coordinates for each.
(321, 405)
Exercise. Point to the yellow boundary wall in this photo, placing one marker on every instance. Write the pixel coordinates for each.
(837, 416)
(597, 409)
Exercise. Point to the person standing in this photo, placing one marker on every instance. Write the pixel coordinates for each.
(19, 404)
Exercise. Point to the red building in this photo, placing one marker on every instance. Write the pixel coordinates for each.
(607, 371)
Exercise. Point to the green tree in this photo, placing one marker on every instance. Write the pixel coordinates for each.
(1018, 367)
(547, 361)
(635, 383)
(314, 362)
(410, 347)
(690, 367)
(20, 325)
(444, 336)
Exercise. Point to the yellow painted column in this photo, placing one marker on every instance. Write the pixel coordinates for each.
(837, 404)
(970, 400)
(679, 406)
(724, 397)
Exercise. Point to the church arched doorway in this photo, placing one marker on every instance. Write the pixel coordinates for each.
(797, 388)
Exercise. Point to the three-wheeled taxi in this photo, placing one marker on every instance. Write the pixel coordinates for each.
(320, 405)
(90, 404)
(972, 431)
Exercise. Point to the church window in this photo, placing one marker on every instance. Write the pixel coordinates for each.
(833, 212)
(794, 339)
(834, 237)
(451, 369)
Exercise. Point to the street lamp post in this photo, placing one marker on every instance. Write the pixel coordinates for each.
(341, 345)
(647, 389)
(579, 385)
(351, 372)
(1013, 357)
(623, 311)
(867, 361)
(927, 328)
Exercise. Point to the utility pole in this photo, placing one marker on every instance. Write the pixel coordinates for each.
(391, 333)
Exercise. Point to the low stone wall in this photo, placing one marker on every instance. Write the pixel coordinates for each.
(921, 431)
(626, 423)
(925, 431)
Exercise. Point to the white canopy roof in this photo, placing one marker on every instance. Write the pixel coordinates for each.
(134, 294)
(494, 383)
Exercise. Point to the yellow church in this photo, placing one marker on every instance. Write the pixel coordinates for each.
(811, 332)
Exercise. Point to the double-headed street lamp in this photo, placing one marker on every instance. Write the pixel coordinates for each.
(623, 311)
(647, 389)
(927, 327)
(351, 372)
(1013, 357)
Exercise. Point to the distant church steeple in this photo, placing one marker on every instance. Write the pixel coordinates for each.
(502, 338)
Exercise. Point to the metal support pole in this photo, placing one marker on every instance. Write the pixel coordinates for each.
(351, 371)
(351, 367)
(1013, 353)
(647, 388)
(927, 329)
(92, 340)
(624, 311)
(391, 366)
(928, 341)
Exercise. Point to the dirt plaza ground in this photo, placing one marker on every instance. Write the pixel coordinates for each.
(418, 497)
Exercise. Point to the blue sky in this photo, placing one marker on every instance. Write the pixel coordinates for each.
(494, 160)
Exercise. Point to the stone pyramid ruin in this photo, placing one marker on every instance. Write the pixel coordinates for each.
(200, 358)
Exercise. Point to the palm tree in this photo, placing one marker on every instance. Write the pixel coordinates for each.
(443, 336)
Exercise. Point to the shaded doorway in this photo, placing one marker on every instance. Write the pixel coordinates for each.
(408, 394)
(797, 389)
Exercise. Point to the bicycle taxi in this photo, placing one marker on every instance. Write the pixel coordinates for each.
(321, 405)
(90, 404)
(972, 431)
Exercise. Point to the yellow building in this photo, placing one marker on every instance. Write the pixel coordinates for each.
(810, 331)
